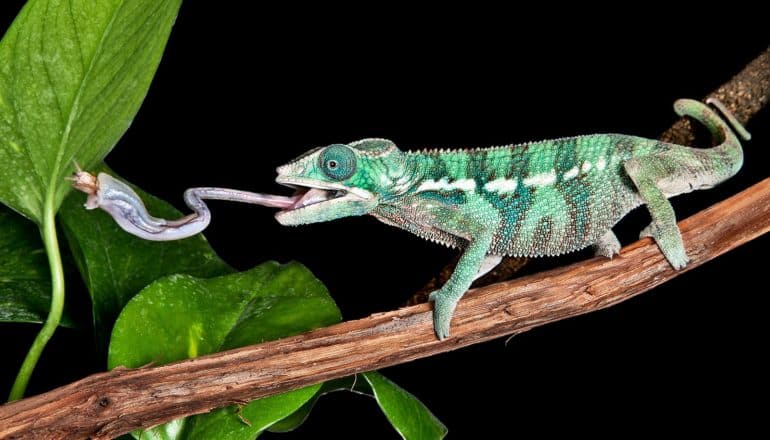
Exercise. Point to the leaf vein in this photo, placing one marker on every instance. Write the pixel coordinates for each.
(75, 104)
(77, 35)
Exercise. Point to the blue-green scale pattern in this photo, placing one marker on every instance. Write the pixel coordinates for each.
(546, 218)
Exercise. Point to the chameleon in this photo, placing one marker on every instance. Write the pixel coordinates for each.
(533, 199)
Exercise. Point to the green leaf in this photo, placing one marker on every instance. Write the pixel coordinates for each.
(224, 423)
(406, 413)
(116, 265)
(73, 74)
(298, 417)
(167, 431)
(25, 283)
(209, 315)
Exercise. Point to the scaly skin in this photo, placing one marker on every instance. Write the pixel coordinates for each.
(536, 199)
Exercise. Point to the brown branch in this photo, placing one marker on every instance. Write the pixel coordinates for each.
(109, 404)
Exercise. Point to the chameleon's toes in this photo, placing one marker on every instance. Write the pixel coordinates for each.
(607, 245)
(678, 260)
(607, 249)
(669, 240)
(608, 252)
(440, 326)
(442, 314)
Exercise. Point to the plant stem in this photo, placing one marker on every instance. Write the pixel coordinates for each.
(48, 232)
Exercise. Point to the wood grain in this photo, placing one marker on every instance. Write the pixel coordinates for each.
(108, 404)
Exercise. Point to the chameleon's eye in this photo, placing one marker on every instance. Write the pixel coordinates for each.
(338, 161)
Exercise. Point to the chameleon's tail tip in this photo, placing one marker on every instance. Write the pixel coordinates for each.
(737, 126)
(701, 112)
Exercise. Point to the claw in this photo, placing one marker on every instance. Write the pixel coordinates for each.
(442, 314)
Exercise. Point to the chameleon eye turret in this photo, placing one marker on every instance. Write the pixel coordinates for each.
(535, 199)
(337, 161)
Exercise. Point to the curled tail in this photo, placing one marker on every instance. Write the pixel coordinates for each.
(729, 152)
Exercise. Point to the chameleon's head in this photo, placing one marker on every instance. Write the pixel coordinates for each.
(341, 180)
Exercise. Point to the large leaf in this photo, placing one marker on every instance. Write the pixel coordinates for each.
(209, 315)
(72, 76)
(298, 417)
(409, 416)
(116, 265)
(25, 283)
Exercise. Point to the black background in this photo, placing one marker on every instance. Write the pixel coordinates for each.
(241, 91)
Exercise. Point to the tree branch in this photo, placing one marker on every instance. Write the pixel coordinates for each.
(108, 404)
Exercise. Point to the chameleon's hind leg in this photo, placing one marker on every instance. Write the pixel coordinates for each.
(646, 172)
(608, 245)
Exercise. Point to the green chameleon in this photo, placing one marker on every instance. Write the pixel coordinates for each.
(534, 199)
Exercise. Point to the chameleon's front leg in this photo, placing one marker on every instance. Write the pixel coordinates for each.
(445, 299)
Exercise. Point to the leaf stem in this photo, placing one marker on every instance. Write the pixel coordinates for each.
(48, 231)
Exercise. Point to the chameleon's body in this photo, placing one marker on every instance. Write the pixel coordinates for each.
(536, 199)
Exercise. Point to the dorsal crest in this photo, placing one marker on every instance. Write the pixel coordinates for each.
(374, 147)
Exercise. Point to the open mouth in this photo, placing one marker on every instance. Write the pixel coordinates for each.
(311, 192)
(316, 199)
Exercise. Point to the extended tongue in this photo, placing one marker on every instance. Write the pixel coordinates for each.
(274, 201)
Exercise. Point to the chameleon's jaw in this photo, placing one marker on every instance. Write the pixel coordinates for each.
(318, 201)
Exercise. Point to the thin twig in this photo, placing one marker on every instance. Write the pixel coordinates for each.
(108, 404)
